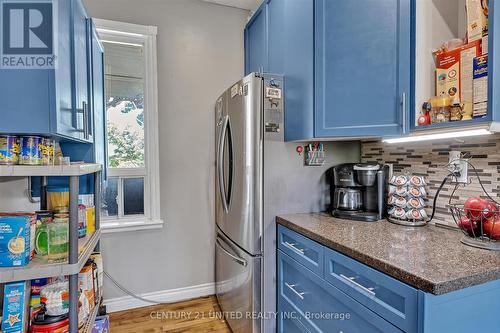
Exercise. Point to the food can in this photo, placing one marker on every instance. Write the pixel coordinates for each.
(48, 149)
(31, 153)
(9, 149)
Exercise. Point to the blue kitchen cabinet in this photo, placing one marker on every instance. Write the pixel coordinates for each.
(95, 153)
(422, 32)
(256, 41)
(362, 67)
(318, 300)
(46, 101)
(279, 40)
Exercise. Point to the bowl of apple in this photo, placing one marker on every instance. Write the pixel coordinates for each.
(479, 220)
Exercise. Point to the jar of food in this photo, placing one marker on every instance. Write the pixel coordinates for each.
(57, 198)
(440, 109)
(31, 153)
(9, 149)
(456, 110)
(43, 218)
(58, 240)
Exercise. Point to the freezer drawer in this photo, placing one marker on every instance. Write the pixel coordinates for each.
(237, 283)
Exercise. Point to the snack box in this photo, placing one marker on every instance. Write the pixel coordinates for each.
(454, 71)
(15, 307)
(14, 240)
(480, 66)
(477, 19)
(101, 325)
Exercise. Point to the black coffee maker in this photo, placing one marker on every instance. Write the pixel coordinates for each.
(359, 191)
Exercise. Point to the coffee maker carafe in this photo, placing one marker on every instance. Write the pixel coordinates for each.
(359, 191)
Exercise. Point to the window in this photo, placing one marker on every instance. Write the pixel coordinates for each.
(131, 195)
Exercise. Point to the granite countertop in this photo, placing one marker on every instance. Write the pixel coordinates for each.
(428, 258)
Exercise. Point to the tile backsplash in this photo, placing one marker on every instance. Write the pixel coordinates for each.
(429, 158)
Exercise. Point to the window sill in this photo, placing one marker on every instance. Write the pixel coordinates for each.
(114, 226)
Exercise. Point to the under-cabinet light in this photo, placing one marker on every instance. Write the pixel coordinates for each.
(438, 136)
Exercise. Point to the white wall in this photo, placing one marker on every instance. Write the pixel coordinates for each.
(200, 53)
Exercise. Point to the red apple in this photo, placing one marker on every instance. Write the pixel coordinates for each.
(469, 226)
(490, 210)
(474, 208)
(491, 228)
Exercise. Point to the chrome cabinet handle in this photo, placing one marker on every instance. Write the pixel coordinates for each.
(292, 288)
(220, 161)
(403, 102)
(239, 260)
(292, 246)
(85, 119)
(352, 280)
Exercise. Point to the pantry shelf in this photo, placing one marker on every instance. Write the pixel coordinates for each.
(39, 269)
(89, 324)
(48, 170)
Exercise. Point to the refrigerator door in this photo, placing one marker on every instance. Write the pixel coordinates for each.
(239, 163)
(237, 284)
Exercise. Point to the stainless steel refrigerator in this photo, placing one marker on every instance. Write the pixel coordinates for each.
(258, 176)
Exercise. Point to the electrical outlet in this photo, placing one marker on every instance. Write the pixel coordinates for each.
(458, 167)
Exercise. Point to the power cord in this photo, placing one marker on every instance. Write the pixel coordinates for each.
(128, 292)
(434, 203)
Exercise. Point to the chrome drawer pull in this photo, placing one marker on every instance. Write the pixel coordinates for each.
(352, 280)
(292, 288)
(292, 245)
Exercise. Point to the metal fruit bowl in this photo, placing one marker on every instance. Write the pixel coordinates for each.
(481, 228)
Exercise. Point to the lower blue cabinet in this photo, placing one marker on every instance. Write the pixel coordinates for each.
(344, 295)
(320, 307)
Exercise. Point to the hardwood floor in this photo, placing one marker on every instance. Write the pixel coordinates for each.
(196, 315)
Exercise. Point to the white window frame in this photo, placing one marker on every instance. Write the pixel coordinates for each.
(135, 34)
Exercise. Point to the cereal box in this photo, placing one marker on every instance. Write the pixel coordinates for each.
(454, 71)
(477, 19)
(15, 307)
(480, 86)
(14, 240)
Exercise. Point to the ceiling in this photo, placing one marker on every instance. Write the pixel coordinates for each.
(243, 4)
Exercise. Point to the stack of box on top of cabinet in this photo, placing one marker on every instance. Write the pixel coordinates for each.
(461, 79)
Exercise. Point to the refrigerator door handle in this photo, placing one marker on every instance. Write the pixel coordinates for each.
(239, 260)
(220, 162)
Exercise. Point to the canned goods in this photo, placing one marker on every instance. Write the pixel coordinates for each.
(48, 151)
(30, 150)
(9, 149)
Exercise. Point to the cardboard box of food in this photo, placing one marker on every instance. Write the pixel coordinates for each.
(15, 307)
(454, 71)
(14, 240)
(480, 86)
(477, 19)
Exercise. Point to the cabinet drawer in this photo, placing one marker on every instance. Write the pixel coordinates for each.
(305, 251)
(299, 288)
(289, 320)
(386, 296)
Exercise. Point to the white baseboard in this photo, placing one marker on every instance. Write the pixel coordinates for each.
(167, 296)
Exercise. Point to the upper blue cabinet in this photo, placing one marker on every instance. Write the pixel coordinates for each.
(346, 64)
(256, 41)
(279, 40)
(448, 19)
(53, 101)
(362, 67)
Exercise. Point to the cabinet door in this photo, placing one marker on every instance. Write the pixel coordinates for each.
(291, 53)
(362, 67)
(81, 71)
(256, 41)
(63, 122)
(98, 104)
